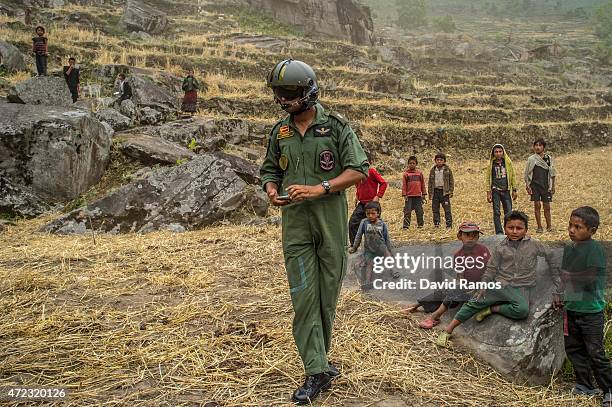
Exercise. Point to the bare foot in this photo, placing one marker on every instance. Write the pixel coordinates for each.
(410, 309)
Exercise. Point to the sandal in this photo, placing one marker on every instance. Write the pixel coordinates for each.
(443, 340)
(429, 323)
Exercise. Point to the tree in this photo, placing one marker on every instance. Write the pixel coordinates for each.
(411, 13)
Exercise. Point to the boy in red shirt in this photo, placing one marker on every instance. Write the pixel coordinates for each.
(370, 189)
(414, 193)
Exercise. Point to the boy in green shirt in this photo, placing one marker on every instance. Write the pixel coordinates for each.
(584, 279)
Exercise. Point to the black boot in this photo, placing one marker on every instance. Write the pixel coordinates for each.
(333, 372)
(313, 385)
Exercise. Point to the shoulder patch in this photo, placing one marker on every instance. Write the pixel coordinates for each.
(339, 117)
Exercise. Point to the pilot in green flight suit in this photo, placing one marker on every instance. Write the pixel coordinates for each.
(313, 155)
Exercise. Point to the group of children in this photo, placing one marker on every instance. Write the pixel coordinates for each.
(500, 180)
(578, 281)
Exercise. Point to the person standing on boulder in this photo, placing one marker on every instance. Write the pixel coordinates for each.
(125, 90)
(313, 155)
(71, 74)
(190, 87)
(371, 189)
(40, 46)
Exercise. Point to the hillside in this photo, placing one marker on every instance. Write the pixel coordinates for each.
(203, 317)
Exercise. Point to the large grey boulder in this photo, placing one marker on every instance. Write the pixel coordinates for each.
(185, 197)
(12, 58)
(57, 152)
(148, 94)
(41, 90)
(153, 150)
(139, 16)
(530, 350)
(342, 19)
(115, 119)
(17, 200)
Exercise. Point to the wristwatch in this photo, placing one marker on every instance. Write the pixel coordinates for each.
(326, 186)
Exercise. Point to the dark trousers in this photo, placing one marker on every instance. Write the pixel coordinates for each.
(584, 348)
(41, 64)
(75, 93)
(440, 199)
(354, 221)
(413, 203)
(505, 199)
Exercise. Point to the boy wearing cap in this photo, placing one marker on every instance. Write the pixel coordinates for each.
(512, 266)
(470, 262)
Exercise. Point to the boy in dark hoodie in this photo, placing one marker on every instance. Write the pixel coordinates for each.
(40, 50)
(441, 187)
(501, 184)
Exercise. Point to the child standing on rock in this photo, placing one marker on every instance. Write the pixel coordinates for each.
(40, 48)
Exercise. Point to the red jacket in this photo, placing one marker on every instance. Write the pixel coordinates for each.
(372, 186)
(413, 183)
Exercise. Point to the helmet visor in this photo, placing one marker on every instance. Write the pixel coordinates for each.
(288, 92)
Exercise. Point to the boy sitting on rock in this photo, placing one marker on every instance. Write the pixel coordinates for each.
(470, 262)
(513, 266)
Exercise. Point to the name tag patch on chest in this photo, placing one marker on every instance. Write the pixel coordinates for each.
(322, 131)
(327, 162)
(284, 132)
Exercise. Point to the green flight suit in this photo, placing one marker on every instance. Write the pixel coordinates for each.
(314, 231)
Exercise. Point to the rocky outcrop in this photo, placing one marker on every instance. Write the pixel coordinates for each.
(529, 350)
(342, 19)
(198, 193)
(115, 119)
(56, 152)
(153, 150)
(12, 58)
(153, 103)
(139, 16)
(41, 90)
(19, 201)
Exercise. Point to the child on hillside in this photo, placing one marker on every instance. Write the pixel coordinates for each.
(414, 193)
(584, 280)
(513, 265)
(471, 253)
(441, 187)
(540, 182)
(501, 184)
(376, 242)
(40, 48)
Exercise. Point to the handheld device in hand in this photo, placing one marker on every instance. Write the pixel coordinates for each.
(283, 198)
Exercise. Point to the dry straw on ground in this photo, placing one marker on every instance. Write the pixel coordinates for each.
(182, 319)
